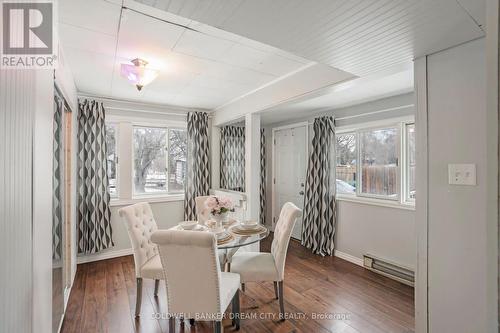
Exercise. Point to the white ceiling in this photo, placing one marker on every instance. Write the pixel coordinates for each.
(345, 94)
(209, 63)
(199, 69)
(358, 36)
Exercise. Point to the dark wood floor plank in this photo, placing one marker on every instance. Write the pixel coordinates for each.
(119, 317)
(103, 300)
(75, 303)
(95, 307)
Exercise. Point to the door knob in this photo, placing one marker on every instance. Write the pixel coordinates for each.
(301, 192)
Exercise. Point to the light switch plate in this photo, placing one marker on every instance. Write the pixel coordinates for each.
(462, 174)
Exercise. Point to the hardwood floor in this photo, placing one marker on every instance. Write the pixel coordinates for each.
(345, 298)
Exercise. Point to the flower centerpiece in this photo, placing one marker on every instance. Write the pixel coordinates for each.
(219, 208)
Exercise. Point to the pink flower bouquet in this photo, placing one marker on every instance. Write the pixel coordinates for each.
(219, 205)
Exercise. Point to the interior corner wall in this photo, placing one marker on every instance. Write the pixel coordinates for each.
(457, 221)
(42, 200)
(65, 82)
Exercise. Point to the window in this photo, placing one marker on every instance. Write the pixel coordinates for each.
(410, 162)
(159, 161)
(177, 153)
(346, 163)
(150, 160)
(112, 158)
(379, 162)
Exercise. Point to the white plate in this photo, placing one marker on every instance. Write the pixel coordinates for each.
(253, 226)
(223, 235)
(200, 227)
(218, 230)
(188, 225)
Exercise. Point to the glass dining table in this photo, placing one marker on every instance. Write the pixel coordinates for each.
(230, 245)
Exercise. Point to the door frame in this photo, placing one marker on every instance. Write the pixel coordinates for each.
(273, 173)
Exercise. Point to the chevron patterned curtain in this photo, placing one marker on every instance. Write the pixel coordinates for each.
(198, 162)
(232, 158)
(94, 216)
(319, 217)
(262, 177)
(56, 180)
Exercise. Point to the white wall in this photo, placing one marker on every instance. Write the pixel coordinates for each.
(362, 228)
(16, 140)
(42, 200)
(385, 232)
(457, 223)
(167, 214)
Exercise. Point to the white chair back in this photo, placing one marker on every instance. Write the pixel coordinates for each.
(141, 225)
(192, 274)
(282, 234)
(202, 212)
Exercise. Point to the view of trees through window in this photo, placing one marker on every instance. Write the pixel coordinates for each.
(379, 161)
(111, 158)
(159, 159)
(177, 152)
(346, 163)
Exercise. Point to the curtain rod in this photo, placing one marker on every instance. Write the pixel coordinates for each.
(371, 113)
(184, 111)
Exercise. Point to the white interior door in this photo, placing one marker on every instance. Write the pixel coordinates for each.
(290, 163)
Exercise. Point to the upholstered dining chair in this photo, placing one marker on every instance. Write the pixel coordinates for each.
(141, 225)
(186, 256)
(261, 266)
(202, 213)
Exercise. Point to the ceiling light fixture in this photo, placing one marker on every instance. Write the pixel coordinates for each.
(138, 74)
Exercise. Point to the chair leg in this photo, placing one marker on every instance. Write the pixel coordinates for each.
(243, 287)
(138, 299)
(276, 289)
(236, 309)
(171, 325)
(217, 327)
(157, 286)
(282, 300)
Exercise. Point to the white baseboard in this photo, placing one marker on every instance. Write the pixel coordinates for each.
(125, 252)
(104, 255)
(348, 257)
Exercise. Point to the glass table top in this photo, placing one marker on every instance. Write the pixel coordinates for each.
(237, 240)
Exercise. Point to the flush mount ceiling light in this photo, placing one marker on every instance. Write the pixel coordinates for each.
(138, 74)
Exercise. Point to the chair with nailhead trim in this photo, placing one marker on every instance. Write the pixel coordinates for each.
(141, 225)
(196, 287)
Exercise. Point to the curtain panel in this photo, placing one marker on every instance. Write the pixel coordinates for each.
(319, 217)
(232, 163)
(198, 162)
(232, 158)
(56, 180)
(94, 216)
(262, 177)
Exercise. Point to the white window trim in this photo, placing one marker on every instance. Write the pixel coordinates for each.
(126, 195)
(147, 198)
(117, 164)
(366, 198)
(404, 154)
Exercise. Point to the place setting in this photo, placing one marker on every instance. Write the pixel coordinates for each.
(247, 228)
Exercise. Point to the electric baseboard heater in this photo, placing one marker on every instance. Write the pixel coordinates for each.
(389, 269)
